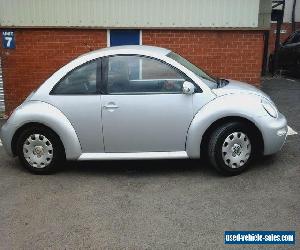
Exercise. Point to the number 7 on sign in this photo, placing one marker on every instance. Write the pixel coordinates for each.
(8, 39)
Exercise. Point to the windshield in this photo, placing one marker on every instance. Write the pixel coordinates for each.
(210, 81)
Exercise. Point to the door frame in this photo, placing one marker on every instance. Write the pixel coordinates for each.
(104, 70)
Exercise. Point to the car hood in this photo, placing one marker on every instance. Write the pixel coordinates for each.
(236, 87)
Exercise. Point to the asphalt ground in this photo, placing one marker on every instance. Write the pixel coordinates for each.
(178, 204)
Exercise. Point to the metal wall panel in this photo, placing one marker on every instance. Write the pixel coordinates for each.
(130, 13)
(264, 17)
(289, 9)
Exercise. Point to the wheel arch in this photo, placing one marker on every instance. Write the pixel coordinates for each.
(243, 107)
(38, 113)
(259, 142)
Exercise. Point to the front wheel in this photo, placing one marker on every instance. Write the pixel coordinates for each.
(40, 150)
(231, 148)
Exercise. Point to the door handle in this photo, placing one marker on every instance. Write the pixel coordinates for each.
(110, 106)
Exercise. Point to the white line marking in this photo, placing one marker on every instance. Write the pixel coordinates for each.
(291, 131)
(1, 143)
(292, 80)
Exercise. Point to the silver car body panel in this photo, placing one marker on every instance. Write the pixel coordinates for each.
(237, 87)
(45, 114)
(146, 123)
(244, 105)
(84, 113)
(171, 126)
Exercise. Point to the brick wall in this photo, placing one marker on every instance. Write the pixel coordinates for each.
(229, 54)
(40, 52)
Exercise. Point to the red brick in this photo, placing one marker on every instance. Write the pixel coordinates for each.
(229, 54)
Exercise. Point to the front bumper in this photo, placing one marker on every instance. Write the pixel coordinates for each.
(274, 132)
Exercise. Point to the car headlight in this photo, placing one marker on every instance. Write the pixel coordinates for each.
(269, 107)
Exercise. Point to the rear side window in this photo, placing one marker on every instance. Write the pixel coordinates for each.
(80, 81)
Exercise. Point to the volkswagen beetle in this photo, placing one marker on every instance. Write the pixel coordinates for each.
(142, 102)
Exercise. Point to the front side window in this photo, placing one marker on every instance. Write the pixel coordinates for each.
(81, 81)
(141, 75)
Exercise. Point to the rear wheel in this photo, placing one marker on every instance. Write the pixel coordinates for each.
(40, 150)
(231, 148)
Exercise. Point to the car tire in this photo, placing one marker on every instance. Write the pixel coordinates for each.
(231, 148)
(40, 150)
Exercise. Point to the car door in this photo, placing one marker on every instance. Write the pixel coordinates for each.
(288, 55)
(143, 108)
(77, 96)
(295, 54)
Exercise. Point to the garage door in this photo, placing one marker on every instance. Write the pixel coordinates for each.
(1, 91)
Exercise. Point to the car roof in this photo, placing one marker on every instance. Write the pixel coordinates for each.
(127, 49)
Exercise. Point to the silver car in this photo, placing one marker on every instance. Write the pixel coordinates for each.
(142, 102)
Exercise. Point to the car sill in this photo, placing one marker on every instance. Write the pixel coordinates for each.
(133, 156)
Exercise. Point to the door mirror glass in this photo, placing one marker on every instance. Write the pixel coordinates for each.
(188, 88)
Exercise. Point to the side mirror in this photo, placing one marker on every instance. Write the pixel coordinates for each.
(188, 88)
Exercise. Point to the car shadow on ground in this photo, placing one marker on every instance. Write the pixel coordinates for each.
(148, 167)
(141, 168)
